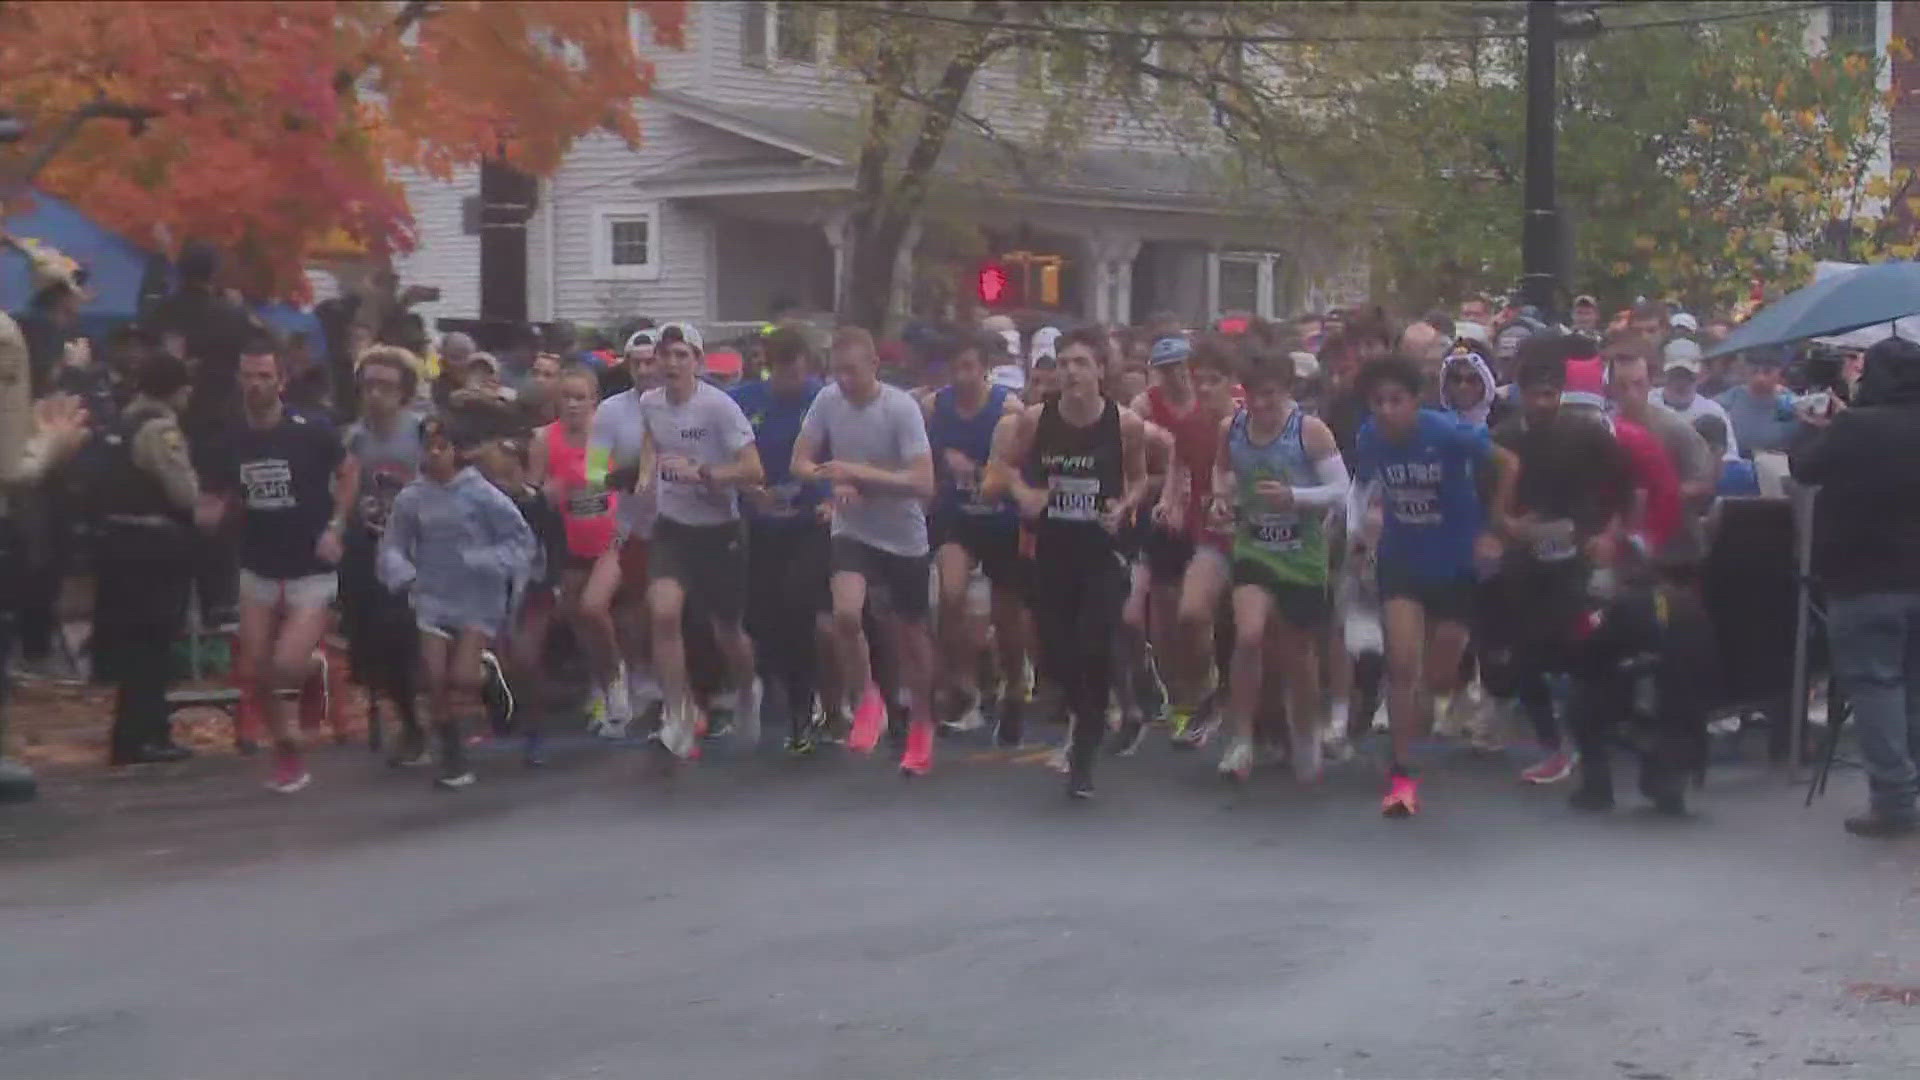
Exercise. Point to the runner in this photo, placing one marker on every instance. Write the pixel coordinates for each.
(615, 592)
(881, 470)
(557, 460)
(787, 543)
(1186, 564)
(382, 644)
(697, 448)
(295, 486)
(1570, 495)
(1077, 468)
(1433, 532)
(968, 531)
(460, 549)
(506, 463)
(1277, 475)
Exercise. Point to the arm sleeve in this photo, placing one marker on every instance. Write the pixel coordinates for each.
(1359, 495)
(1332, 489)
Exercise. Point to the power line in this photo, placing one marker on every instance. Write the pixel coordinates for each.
(1188, 37)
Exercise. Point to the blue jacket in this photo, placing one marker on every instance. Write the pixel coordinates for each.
(462, 547)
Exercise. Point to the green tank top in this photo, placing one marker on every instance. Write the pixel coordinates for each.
(1292, 544)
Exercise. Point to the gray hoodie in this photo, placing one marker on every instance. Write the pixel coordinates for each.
(462, 547)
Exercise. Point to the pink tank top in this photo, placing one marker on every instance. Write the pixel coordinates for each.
(587, 510)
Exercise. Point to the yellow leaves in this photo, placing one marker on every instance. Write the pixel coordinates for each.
(1780, 92)
(1855, 64)
(1643, 244)
(1807, 119)
(1772, 122)
(1899, 48)
(1700, 127)
(1622, 268)
(1878, 188)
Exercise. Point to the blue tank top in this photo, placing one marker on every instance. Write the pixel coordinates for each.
(956, 437)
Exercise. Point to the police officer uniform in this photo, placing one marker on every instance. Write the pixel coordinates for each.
(142, 503)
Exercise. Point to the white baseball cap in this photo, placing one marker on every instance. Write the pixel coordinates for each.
(687, 334)
(1683, 321)
(1682, 354)
(648, 337)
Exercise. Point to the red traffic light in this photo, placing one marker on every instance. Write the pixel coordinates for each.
(993, 283)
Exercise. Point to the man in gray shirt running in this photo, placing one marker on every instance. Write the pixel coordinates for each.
(881, 471)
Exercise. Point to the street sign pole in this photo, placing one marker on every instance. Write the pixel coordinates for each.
(1540, 277)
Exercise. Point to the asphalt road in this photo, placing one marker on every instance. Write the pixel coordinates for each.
(828, 919)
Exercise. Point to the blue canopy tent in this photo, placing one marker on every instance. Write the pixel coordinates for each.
(116, 267)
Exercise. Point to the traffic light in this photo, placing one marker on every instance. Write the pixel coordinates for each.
(993, 284)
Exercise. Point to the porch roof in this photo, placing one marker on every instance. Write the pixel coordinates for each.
(813, 158)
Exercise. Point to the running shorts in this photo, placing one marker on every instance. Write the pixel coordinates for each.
(897, 582)
(1446, 599)
(709, 562)
(1305, 607)
(299, 593)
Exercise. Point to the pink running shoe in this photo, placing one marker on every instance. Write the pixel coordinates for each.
(289, 773)
(1551, 769)
(869, 720)
(1403, 796)
(918, 760)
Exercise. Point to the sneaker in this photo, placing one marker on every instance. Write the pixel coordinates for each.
(801, 743)
(1485, 729)
(495, 694)
(454, 782)
(597, 714)
(835, 726)
(918, 760)
(1237, 761)
(1126, 741)
(289, 773)
(1179, 718)
(1060, 760)
(869, 720)
(967, 714)
(1198, 732)
(746, 718)
(678, 730)
(1551, 769)
(1880, 825)
(643, 690)
(1308, 767)
(1403, 796)
(619, 710)
(1079, 786)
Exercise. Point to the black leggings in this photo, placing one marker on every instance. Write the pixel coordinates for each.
(786, 591)
(1078, 592)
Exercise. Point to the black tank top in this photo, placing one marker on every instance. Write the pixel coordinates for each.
(1081, 470)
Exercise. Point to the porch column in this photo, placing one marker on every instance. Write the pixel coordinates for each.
(1111, 285)
(837, 224)
(1213, 283)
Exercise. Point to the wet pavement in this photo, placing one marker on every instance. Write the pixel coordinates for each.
(829, 919)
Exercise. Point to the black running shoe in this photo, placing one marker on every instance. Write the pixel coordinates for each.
(1127, 740)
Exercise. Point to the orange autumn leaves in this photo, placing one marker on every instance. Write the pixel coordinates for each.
(281, 124)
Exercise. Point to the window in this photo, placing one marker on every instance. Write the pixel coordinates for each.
(1851, 27)
(782, 32)
(1251, 281)
(626, 243)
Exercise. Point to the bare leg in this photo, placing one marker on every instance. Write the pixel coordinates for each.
(850, 636)
(1252, 608)
(1406, 630)
(666, 603)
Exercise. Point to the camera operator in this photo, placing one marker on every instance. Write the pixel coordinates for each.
(1866, 554)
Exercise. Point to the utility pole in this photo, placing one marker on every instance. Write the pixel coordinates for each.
(1541, 274)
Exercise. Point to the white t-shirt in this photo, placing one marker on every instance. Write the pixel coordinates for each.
(707, 429)
(886, 433)
(616, 432)
(1700, 406)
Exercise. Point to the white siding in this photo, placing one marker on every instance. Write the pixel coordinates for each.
(443, 256)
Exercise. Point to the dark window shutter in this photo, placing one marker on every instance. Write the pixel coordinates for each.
(753, 33)
(470, 216)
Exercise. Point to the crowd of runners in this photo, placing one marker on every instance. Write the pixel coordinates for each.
(1250, 537)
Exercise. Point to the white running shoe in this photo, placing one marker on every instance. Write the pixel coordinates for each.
(619, 710)
(678, 730)
(1237, 760)
(1059, 761)
(746, 718)
(643, 690)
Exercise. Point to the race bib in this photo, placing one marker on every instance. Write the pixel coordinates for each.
(1557, 545)
(1073, 498)
(589, 502)
(1415, 506)
(783, 497)
(1275, 532)
(269, 484)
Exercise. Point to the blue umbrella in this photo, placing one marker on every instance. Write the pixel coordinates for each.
(1873, 294)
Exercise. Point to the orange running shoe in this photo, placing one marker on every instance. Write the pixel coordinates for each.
(869, 720)
(1403, 796)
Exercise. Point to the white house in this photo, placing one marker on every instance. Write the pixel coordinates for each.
(734, 205)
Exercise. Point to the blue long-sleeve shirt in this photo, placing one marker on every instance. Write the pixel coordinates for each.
(462, 547)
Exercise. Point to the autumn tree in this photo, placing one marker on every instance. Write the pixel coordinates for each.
(279, 124)
(1700, 148)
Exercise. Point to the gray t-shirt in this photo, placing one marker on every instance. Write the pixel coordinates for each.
(886, 433)
(1693, 461)
(388, 463)
(708, 429)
